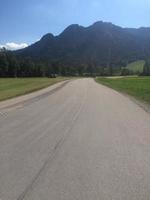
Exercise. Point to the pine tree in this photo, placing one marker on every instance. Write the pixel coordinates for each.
(146, 70)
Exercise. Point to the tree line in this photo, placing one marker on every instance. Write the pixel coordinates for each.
(14, 66)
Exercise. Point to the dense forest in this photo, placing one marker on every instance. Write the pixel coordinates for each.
(14, 66)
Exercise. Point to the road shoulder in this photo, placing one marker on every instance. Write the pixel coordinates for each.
(145, 106)
(34, 96)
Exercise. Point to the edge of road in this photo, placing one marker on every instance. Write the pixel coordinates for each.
(37, 95)
(34, 96)
(145, 106)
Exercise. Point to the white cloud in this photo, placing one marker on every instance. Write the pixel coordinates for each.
(14, 46)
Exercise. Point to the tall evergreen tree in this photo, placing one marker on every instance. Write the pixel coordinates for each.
(3, 63)
(146, 70)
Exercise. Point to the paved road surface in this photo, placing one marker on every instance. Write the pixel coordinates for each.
(81, 142)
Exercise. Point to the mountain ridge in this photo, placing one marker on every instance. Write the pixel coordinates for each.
(101, 43)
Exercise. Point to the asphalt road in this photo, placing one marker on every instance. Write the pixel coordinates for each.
(82, 141)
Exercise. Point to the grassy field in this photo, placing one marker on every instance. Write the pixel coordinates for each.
(12, 87)
(136, 66)
(138, 87)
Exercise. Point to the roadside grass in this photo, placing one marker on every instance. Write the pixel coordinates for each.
(13, 87)
(139, 87)
(136, 66)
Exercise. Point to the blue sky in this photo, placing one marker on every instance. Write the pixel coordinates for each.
(25, 21)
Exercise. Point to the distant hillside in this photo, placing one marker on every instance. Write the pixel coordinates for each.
(136, 67)
(101, 44)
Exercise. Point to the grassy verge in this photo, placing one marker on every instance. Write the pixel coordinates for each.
(12, 87)
(138, 87)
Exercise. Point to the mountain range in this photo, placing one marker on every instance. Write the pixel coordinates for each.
(101, 43)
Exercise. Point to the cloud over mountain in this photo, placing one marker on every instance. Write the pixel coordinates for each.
(14, 46)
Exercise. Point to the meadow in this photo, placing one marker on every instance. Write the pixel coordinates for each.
(13, 87)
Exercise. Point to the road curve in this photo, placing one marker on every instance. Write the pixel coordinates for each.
(81, 142)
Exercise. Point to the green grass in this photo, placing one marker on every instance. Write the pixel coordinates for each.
(136, 66)
(138, 87)
(12, 87)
